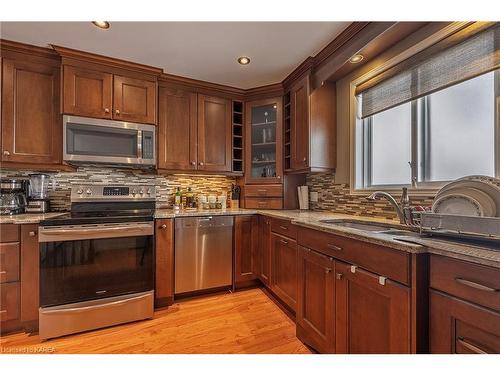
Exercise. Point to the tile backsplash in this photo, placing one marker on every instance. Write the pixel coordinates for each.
(59, 191)
(337, 198)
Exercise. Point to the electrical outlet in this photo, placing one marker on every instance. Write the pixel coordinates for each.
(314, 196)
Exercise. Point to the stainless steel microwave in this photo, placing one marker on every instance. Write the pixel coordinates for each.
(90, 140)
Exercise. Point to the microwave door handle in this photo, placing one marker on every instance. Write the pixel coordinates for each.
(139, 144)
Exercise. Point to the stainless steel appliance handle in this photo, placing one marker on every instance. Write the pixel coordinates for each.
(139, 144)
(93, 307)
(73, 233)
(92, 230)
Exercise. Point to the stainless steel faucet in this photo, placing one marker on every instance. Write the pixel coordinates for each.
(401, 209)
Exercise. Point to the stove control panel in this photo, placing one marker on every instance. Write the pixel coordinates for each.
(90, 193)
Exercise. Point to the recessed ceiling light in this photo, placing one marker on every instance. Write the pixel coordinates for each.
(356, 59)
(101, 24)
(243, 60)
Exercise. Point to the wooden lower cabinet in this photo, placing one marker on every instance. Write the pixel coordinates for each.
(284, 269)
(164, 257)
(460, 327)
(263, 258)
(246, 240)
(372, 314)
(315, 314)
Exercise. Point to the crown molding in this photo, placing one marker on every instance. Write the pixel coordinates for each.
(18, 47)
(267, 91)
(166, 79)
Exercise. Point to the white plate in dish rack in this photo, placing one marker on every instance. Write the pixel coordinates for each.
(486, 184)
(457, 204)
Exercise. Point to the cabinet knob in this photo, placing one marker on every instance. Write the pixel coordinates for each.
(339, 276)
(32, 234)
(106, 110)
(328, 270)
(6, 153)
(200, 163)
(117, 111)
(163, 226)
(278, 176)
(193, 163)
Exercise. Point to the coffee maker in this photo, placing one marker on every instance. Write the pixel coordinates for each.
(38, 201)
(13, 196)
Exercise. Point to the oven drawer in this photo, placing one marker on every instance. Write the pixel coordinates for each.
(9, 262)
(78, 317)
(9, 301)
(471, 282)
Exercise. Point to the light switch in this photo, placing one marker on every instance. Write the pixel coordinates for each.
(314, 196)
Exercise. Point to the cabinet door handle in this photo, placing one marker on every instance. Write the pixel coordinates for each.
(471, 347)
(328, 270)
(200, 163)
(106, 110)
(6, 153)
(3, 311)
(333, 247)
(474, 285)
(278, 176)
(284, 242)
(262, 191)
(32, 234)
(117, 111)
(3, 272)
(283, 227)
(163, 226)
(339, 276)
(193, 163)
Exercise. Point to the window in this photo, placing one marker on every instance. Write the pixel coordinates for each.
(440, 137)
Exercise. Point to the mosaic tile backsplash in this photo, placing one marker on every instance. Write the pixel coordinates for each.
(337, 198)
(59, 191)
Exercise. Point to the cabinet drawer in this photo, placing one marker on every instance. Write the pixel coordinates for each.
(472, 282)
(9, 262)
(381, 260)
(9, 301)
(284, 227)
(265, 203)
(9, 233)
(263, 190)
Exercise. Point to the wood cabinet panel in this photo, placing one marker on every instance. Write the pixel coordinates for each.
(315, 316)
(134, 100)
(30, 273)
(375, 258)
(9, 262)
(264, 250)
(31, 120)
(460, 327)
(371, 318)
(214, 134)
(87, 92)
(284, 269)
(164, 260)
(299, 99)
(472, 282)
(9, 301)
(177, 129)
(9, 233)
(245, 247)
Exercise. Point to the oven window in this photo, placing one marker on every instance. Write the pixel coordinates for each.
(93, 140)
(75, 271)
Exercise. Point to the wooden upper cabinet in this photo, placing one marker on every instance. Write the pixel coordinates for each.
(177, 129)
(134, 100)
(87, 92)
(214, 134)
(299, 100)
(31, 120)
(372, 314)
(312, 128)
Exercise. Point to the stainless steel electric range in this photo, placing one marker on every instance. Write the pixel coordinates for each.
(97, 262)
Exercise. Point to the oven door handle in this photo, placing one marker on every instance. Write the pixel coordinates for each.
(60, 234)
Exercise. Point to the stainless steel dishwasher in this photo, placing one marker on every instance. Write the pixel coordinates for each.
(203, 253)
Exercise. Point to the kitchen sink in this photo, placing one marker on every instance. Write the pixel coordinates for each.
(358, 225)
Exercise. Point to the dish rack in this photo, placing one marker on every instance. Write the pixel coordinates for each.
(458, 226)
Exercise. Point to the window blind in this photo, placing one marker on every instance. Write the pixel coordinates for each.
(431, 70)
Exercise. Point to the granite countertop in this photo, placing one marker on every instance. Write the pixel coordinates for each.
(411, 243)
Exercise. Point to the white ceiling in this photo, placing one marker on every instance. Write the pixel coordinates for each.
(200, 50)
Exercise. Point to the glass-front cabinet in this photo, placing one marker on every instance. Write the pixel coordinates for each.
(264, 141)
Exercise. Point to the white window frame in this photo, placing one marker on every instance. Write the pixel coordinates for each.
(416, 187)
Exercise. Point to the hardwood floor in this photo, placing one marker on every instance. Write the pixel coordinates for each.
(243, 322)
